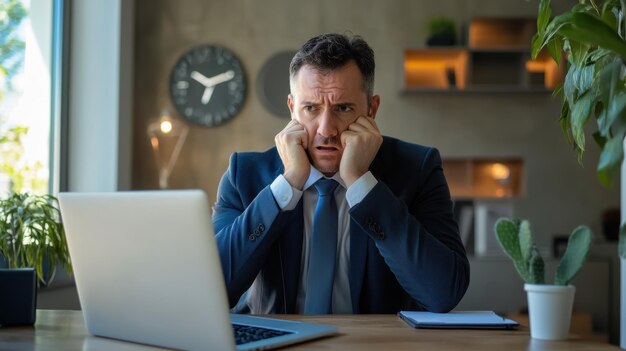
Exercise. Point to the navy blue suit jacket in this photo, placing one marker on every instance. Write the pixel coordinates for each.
(405, 250)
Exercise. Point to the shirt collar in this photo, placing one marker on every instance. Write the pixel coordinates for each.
(315, 175)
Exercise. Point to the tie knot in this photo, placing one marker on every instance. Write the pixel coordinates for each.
(325, 186)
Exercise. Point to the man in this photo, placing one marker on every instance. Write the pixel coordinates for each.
(337, 218)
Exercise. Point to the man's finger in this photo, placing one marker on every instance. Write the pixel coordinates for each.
(367, 122)
(346, 135)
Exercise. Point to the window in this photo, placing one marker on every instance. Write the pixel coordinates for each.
(26, 99)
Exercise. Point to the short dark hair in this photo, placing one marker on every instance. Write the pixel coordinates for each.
(328, 52)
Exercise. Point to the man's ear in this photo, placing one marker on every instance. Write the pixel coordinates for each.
(290, 104)
(374, 104)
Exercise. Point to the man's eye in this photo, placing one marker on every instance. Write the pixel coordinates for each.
(309, 108)
(344, 108)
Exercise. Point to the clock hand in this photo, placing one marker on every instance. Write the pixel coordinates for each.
(215, 80)
(200, 78)
(210, 83)
(220, 78)
(206, 96)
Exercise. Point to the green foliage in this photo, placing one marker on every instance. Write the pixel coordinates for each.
(22, 175)
(12, 12)
(441, 25)
(31, 234)
(516, 240)
(591, 34)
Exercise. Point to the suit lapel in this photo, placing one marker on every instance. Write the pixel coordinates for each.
(358, 243)
(292, 252)
(358, 253)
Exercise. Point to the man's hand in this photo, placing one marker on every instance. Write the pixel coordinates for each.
(291, 143)
(360, 142)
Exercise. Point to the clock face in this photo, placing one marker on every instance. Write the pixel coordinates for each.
(208, 85)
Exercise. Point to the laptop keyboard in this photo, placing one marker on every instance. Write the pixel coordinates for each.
(245, 333)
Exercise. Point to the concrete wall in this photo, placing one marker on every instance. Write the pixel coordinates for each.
(559, 193)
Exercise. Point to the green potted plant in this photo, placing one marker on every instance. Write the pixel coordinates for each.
(441, 32)
(549, 305)
(32, 243)
(593, 36)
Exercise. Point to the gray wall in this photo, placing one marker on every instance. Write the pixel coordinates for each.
(559, 193)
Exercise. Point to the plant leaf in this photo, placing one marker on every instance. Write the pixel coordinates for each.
(611, 158)
(537, 44)
(543, 38)
(569, 85)
(555, 48)
(606, 80)
(564, 122)
(507, 235)
(543, 16)
(617, 108)
(578, 50)
(608, 16)
(574, 256)
(525, 240)
(580, 113)
(584, 78)
(600, 140)
(31, 234)
(536, 270)
(582, 7)
(588, 29)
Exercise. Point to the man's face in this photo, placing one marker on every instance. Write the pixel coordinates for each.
(325, 104)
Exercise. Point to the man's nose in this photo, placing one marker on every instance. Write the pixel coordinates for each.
(327, 125)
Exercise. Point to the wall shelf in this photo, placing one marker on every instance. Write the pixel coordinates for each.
(484, 178)
(496, 59)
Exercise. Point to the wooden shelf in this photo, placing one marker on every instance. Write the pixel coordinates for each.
(493, 178)
(496, 60)
(490, 33)
(441, 68)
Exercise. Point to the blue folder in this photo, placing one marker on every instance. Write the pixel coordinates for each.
(457, 320)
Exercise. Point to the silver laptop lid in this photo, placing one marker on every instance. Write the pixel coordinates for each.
(147, 267)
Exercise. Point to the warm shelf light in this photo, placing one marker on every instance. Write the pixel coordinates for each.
(484, 178)
(500, 172)
(435, 68)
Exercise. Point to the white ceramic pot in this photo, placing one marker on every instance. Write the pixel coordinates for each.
(550, 310)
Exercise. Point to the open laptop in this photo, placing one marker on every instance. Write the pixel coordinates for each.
(147, 270)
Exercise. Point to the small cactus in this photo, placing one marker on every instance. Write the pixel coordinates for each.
(516, 240)
(535, 267)
(574, 257)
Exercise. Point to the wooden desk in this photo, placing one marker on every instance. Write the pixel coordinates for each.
(65, 330)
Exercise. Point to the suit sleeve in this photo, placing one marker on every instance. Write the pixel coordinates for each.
(244, 232)
(420, 241)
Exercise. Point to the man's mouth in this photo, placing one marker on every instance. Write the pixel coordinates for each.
(326, 148)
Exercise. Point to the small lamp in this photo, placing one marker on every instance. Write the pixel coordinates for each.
(167, 136)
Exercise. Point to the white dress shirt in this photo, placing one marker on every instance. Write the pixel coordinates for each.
(288, 197)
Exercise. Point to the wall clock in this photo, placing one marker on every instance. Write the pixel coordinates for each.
(208, 85)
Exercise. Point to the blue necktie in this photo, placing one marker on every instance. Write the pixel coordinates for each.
(319, 288)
